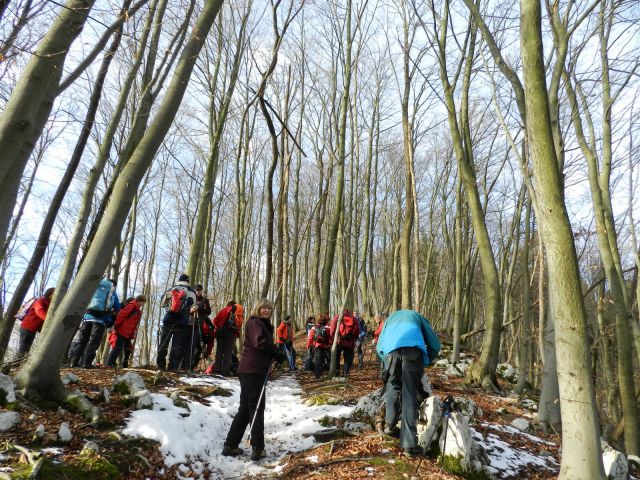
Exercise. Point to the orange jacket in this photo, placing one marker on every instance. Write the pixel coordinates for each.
(34, 319)
(284, 333)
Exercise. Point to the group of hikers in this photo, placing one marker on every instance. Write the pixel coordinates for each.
(405, 343)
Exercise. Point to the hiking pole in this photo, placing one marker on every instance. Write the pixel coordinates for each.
(448, 406)
(272, 367)
(446, 411)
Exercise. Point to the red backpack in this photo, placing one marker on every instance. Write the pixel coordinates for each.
(179, 300)
(347, 328)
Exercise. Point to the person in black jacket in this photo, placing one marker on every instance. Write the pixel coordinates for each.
(200, 312)
(258, 355)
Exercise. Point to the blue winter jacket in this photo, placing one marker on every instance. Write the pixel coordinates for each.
(407, 328)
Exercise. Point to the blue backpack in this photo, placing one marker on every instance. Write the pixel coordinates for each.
(102, 300)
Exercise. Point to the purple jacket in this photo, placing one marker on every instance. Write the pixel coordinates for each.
(259, 348)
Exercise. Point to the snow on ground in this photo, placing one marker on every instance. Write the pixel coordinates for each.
(194, 439)
(507, 461)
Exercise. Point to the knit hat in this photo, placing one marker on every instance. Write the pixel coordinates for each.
(183, 278)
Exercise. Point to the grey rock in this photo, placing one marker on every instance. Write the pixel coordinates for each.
(8, 420)
(520, 424)
(90, 447)
(130, 383)
(144, 400)
(7, 389)
(430, 418)
(40, 431)
(69, 378)
(370, 405)
(615, 463)
(64, 433)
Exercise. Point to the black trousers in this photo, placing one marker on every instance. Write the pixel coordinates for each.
(359, 345)
(86, 344)
(402, 371)
(192, 347)
(321, 360)
(250, 387)
(225, 338)
(348, 359)
(26, 340)
(173, 334)
(122, 344)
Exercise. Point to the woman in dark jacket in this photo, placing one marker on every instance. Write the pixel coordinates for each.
(257, 357)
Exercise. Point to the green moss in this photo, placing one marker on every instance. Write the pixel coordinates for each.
(128, 400)
(72, 404)
(181, 403)
(452, 464)
(399, 469)
(82, 467)
(14, 406)
(122, 388)
(326, 421)
(323, 399)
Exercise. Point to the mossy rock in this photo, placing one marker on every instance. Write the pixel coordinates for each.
(128, 400)
(122, 388)
(323, 399)
(82, 467)
(326, 421)
(181, 403)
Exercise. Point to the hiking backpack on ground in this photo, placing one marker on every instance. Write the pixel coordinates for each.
(24, 309)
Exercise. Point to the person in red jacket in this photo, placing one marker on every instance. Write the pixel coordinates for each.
(228, 323)
(320, 341)
(33, 321)
(349, 331)
(284, 341)
(124, 330)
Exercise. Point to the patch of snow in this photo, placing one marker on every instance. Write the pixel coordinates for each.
(507, 460)
(53, 451)
(509, 429)
(197, 440)
(313, 459)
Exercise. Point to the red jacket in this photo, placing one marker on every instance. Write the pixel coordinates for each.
(127, 320)
(378, 331)
(34, 319)
(222, 317)
(319, 341)
(350, 340)
(284, 333)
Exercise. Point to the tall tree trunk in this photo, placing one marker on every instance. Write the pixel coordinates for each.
(31, 101)
(30, 272)
(40, 376)
(581, 452)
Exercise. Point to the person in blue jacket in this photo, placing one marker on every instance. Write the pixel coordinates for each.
(100, 315)
(406, 345)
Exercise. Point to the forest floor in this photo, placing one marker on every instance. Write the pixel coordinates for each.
(182, 435)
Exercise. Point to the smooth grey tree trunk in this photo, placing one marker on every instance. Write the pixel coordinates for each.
(40, 376)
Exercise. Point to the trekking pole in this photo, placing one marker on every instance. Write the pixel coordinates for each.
(272, 368)
(448, 406)
(446, 412)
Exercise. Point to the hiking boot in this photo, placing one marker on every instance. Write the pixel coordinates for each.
(232, 452)
(257, 454)
(413, 451)
(392, 431)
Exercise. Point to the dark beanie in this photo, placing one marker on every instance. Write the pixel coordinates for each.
(183, 278)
